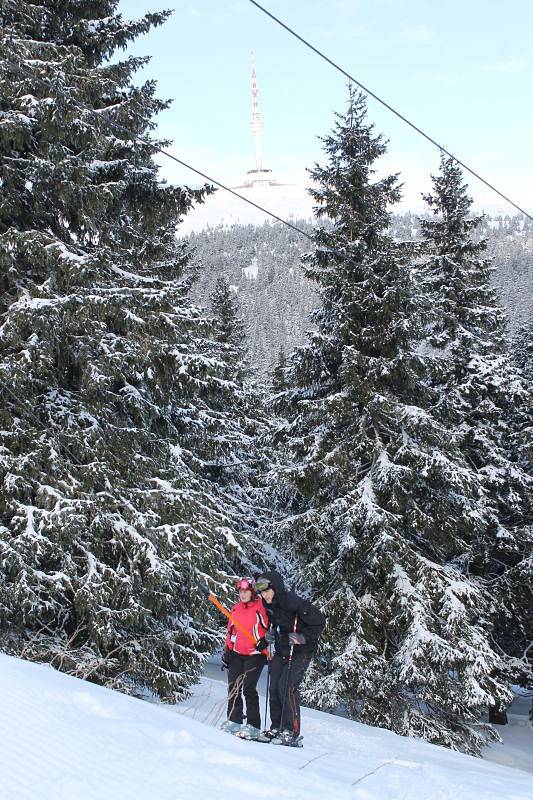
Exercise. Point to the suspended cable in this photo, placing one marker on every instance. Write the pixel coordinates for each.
(387, 106)
(232, 191)
(97, 113)
(158, 149)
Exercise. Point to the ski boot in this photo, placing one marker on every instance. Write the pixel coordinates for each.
(267, 736)
(272, 733)
(288, 739)
(230, 727)
(248, 732)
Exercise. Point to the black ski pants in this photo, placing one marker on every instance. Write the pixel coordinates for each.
(243, 674)
(285, 680)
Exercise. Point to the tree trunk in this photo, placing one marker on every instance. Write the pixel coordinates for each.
(498, 715)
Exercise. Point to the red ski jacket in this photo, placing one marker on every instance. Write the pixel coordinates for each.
(251, 616)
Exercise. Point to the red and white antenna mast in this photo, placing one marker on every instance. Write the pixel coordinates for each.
(256, 123)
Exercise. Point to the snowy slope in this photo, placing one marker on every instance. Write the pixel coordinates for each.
(64, 738)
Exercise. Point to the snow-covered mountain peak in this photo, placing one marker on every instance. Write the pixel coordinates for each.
(285, 200)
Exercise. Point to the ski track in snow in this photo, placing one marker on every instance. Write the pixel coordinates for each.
(65, 739)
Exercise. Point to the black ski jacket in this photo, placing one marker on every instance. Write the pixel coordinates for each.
(281, 613)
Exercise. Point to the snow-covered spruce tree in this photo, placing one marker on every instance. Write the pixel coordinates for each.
(483, 401)
(230, 330)
(278, 383)
(246, 425)
(522, 350)
(381, 506)
(110, 388)
(522, 354)
(250, 426)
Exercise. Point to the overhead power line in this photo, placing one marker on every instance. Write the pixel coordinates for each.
(387, 106)
(134, 136)
(158, 149)
(232, 191)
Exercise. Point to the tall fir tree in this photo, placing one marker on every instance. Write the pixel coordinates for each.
(522, 350)
(522, 354)
(111, 388)
(381, 508)
(279, 382)
(483, 400)
(246, 423)
(230, 330)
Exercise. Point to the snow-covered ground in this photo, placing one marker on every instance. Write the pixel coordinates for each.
(62, 738)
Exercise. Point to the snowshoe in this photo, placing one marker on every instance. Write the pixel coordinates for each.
(263, 738)
(288, 739)
(248, 732)
(272, 733)
(231, 727)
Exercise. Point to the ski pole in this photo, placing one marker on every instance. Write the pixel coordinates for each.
(216, 602)
(266, 697)
(289, 665)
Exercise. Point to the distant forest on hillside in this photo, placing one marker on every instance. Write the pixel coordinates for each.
(262, 265)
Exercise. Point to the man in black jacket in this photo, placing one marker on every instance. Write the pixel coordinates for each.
(295, 626)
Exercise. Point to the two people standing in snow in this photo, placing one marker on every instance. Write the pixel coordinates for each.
(293, 626)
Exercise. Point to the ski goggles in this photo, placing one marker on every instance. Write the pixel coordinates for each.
(262, 584)
(245, 583)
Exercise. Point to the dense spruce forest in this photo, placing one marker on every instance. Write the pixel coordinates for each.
(262, 264)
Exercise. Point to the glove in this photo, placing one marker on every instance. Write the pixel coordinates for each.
(297, 638)
(261, 644)
(226, 658)
(269, 636)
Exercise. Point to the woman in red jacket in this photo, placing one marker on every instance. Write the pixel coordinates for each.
(244, 661)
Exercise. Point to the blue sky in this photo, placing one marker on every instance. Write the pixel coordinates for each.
(462, 70)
